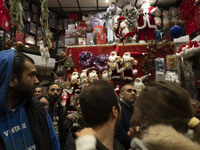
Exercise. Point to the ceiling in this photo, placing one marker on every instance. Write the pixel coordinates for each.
(64, 7)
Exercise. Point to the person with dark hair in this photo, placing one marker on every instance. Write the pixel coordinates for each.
(128, 97)
(24, 122)
(38, 93)
(165, 118)
(101, 112)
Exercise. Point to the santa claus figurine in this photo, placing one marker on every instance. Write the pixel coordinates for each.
(127, 66)
(146, 22)
(113, 66)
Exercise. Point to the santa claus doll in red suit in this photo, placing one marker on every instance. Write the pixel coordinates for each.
(146, 22)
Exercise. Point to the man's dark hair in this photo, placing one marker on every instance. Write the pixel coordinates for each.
(97, 101)
(18, 63)
(51, 85)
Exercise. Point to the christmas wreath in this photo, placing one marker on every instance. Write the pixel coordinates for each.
(101, 62)
(86, 59)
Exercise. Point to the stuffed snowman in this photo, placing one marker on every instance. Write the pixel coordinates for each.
(173, 11)
(165, 17)
(157, 17)
(146, 22)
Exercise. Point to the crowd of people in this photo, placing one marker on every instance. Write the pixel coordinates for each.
(160, 117)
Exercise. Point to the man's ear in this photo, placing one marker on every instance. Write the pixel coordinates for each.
(115, 111)
(13, 80)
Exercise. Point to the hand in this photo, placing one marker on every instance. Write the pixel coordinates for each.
(134, 132)
(85, 131)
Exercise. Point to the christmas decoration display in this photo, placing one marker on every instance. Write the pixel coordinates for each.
(196, 110)
(176, 31)
(189, 49)
(101, 62)
(160, 69)
(171, 62)
(93, 76)
(157, 17)
(127, 66)
(75, 81)
(131, 14)
(146, 22)
(106, 75)
(16, 12)
(172, 76)
(138, 83)
(47, 35)
(86, 59)
(44, 51)
(122, 31)
(84, 77)
(173, 11)
(113, 64)
(69, 63)
(112, 14)
(165, 17)
(158, 35)
(61, 60)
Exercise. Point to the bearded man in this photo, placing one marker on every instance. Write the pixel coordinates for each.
(24, 122)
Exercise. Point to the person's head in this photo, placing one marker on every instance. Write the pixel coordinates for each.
(128, 94)
(46, 103)
(38, 93)
(98, 103)
(164, 102)
(23, 78)
(53, 90)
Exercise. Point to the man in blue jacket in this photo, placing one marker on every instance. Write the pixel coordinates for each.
(128, 96)
(24, 122)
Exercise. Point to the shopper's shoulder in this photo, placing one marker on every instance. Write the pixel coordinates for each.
(34, 103)
(117, 145)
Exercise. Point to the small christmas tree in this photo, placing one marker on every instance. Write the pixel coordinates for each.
(69, 63)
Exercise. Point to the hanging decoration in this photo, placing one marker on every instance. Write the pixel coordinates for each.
(101, 62)
(69, 63)
(16, 12)
(47, 35)
(176, 31)
(86, 59)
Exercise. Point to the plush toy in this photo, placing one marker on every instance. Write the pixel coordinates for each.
(93, 76)
(112, 14)
(138, 83)
(127, 66)
(106, 75)
(113, 66)
(84, 77)
(75, 81)
(173, 11)
(165, 18)
(157, 17)
(172, 76)
(146, 22)
(121, 30)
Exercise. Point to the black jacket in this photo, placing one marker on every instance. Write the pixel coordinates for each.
(38, 123)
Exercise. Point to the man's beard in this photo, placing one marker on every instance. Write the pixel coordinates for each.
(24, 91)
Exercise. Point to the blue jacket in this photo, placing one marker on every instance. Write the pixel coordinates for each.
(24, 127)
(122, 129)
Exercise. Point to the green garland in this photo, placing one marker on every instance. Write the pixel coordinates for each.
(16, 12)
(45, 23)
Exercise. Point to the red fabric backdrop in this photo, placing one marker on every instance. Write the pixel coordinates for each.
(106, 49)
